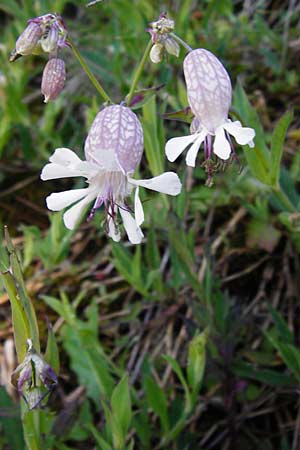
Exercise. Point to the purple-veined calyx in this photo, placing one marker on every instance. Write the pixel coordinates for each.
(209, 94)
(162, 41)
(113, 150)
(54, 77)
(34, 378)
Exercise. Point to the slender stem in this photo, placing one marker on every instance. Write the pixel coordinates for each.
(138, 72)
(182, 42)
(83, 64)
(282, 197)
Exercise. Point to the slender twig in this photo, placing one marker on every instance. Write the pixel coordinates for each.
(181, 42)
(138, 72)
(85, 67)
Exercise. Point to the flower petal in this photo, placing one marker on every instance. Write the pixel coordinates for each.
(60, 200)
(113, 229)
(133, 231)
(64, 156)
(175, 146)
(73, 214)
(221, 145)
(138, 208)
(166, 183)
(242, 135)
(53, 171)
(193, 151)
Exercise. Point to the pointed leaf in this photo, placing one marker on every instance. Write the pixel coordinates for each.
(277, 145)
(121, 405)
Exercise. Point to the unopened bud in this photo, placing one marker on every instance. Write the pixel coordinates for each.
(25, 377)
(49, 40)
(27, 41)
(171, 46)
(156, 53)
(54, 77)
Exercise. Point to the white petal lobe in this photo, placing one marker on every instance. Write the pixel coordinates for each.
(138, 208)
(193, 151)
(221, 145)
(175, 146)
(60, 200)
(73, 214)
(64, 156)
(166, 183)
(242, 135)
(133, 231)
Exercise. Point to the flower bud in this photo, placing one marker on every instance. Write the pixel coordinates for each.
(54, 77)
(156, 53)
(27, 41)
(49, 40)
(171, 46)
(25, 377)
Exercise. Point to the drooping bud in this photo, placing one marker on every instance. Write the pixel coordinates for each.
(115, 140)
(172, 47)
(54, 77)
(156, 53)
(208, 88)
(29, 376)
(27, 41)
(49, 40)
(45, 33)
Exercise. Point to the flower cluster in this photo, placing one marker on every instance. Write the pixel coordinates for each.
(162, 41)
(45, 34)
(114, 145)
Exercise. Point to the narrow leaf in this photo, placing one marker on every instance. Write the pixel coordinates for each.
(277, 145)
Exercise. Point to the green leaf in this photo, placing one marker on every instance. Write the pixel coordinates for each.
(10, 424)
(19, 318)
(281, 326)
(15, 268)
(175, 366)
(103, 445)
(183, 115)
(258, 158)
(121, 405)
(52, 354)
(88, 360)
(277, 145)
(180, 245)
(153, 145)
(129, 268)
(197, 361)
(267, 376)
(142, 96)
(289, 354)
(156, 400)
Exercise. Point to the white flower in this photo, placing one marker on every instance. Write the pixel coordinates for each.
(209, 94)
(113, 148)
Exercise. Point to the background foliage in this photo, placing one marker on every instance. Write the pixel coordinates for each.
(191, 340)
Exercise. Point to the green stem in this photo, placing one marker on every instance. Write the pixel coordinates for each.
(282, 197)
(138, 72)
(181, 42)
(94, 81)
